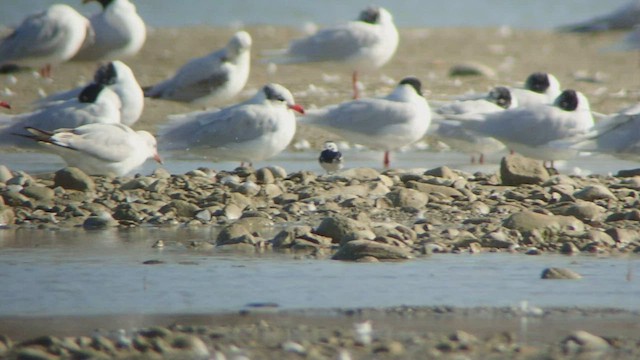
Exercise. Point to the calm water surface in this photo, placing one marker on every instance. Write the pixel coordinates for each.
(85, 273)
(541, 14)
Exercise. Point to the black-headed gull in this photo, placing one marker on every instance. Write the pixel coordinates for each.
(95, 104)
(498, 99)
(387, 123)
(100, 149)
(331, 158)
(45, 39)
(539, 88)
(216, 77)
(119, 32)
(467, 141)
(529, 130)
(254, 130)
(617, 135)
(118, 77)
(363, 45)
(624, 17)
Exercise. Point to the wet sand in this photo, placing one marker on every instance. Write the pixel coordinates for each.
(610, 80)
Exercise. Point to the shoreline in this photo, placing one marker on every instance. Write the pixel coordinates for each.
(398, 332)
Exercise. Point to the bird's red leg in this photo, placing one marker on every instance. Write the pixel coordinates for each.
(354, 80)
(481, 159)
(386, 162)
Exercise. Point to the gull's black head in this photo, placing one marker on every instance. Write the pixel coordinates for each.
(106, 74)
(90, 93)
(568, 100)
(501, 96)
(537, 82)
(271, 93)
(414, 82)
(104, 3)
(370, 15)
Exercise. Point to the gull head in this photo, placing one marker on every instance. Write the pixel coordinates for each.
(278, 94)
(571, 100)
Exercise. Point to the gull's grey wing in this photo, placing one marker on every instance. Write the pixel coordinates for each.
(333, 44)
(112, 143)
(37, 36)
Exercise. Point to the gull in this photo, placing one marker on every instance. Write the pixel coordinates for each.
(616, 135)
(467, 141)
(387, 123)
(119, 78)
(529, 130)
(539, 88)
(331, 158)
(254, 130)
(119, 32)
(99, 149)
(363, 45)
(45, 39)
(216, 77)
(95, 104)
(622, 18)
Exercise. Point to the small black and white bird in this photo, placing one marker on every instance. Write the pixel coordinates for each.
(331, 158)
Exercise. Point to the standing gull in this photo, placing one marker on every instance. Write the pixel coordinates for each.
(387, 123)
(45, 39)
(119, 32)
(254, 130)
(100, 149)
(363, 45)
(116, 76)
(216, 77)
(331, 158)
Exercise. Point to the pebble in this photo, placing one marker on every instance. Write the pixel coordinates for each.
(560, 274)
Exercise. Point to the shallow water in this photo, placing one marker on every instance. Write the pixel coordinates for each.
(36, 163)
(79, 272)
(539, 14)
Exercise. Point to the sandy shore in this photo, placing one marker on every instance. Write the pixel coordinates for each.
(610, 80)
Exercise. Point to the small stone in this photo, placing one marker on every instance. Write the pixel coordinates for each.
(528, 221)
(594, 192)
(37, 192)
(264, 176)
(518, 170)
(99, 222)
(582, 341)
(356, 249)
(342, 229)
(408, 199)
(471, 69)
(560, 274)
(390, 348)
(73, 179)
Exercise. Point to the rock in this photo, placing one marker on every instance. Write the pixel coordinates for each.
(37, 192)
(99, 222)
(628, 173)
(517, 170)
(181, 208)
(28, 353)
(582, 341)
(471, 69)
(7, 216)
(434, 189)
(560, 274)
(360, 173)
(528, 221)
(356, 249)
(235, 233)
(285, 238)
(408, 198)
(264, 176)
(187, 347)
(582, 210)
(5, 174)
(73, 179)
(442, 172)
(391, 348)
(623, 236)
(594, 192)
(569, 248)
(342, 229)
